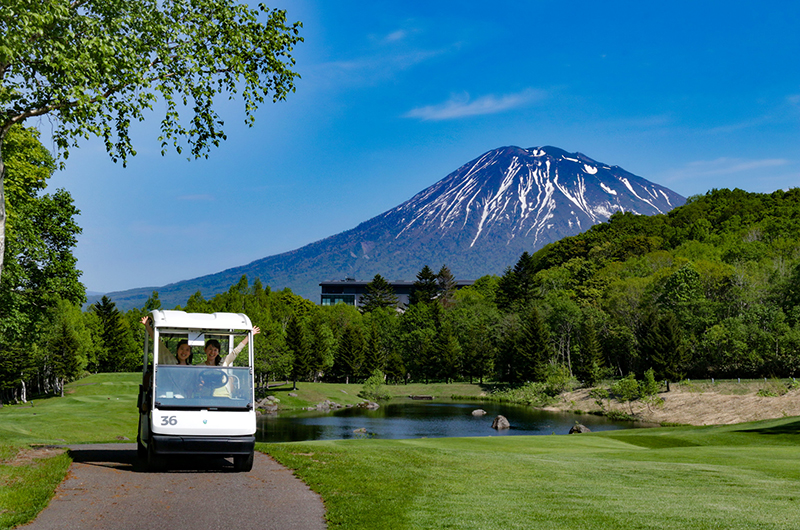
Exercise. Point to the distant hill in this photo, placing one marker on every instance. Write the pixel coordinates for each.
(477, 220)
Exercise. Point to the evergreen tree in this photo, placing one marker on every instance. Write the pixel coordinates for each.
(444, 360)
(517, 284)
(425, 289)
(661, 343)
(66, 343)
(380, 294)
(296, 344)
(152, 303)
(532, 351)
(589, 367)
(118, 349)
(446, 286)
(350, 354)
(374, 355)
(321, 346)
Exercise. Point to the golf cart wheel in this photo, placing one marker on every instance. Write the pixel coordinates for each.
(141, 450)
(243, 462)
(155, 462)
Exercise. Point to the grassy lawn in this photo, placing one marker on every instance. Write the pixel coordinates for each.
(100, 408)
(97, 409)
(309, 394)
(732, 477)
(744, 476)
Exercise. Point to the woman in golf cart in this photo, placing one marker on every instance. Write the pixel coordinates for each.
(213, 346)
(183, 355)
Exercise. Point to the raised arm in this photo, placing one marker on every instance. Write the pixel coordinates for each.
(164, 355)
(228, 361)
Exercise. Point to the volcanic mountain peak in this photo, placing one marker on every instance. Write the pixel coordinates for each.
(477, 220)
(524, 192)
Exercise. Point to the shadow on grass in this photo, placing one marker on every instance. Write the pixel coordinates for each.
(123, 457)
(792, 427)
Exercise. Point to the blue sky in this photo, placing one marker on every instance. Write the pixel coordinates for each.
(396, 95)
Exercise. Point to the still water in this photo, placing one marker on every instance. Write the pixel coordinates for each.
(416, 419)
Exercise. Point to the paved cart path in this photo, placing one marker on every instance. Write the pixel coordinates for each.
(107, 487)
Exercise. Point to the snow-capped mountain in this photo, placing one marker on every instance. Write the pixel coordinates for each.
(477, 220)
(533, 196)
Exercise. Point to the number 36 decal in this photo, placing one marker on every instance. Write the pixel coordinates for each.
(169, 420)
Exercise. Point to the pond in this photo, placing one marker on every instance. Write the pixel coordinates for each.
(415, 419)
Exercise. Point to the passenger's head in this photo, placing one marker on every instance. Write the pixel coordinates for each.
(212, 351)
(184, 352)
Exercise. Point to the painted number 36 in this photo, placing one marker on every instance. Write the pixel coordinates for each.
(169, 420)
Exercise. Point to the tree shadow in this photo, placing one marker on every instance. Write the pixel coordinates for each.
(792, 427)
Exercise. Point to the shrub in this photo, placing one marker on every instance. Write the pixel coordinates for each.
(374, 389)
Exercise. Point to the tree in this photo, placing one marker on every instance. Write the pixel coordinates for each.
(118, 348)
(296, 343)
(447, 286)
(380, 294)
(40, 268)
(516, 285)
(425, 288)
(533, 349)
(661, 343)
(589, 367)
(350, 354)
(96, 66)
(66, 343)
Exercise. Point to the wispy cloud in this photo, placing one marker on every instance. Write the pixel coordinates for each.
(371, 69)
(395, 36)
(728, 166)
(461, 106)
(727, 172)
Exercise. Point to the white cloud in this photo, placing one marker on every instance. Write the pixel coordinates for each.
(460, 106)
(395, 36)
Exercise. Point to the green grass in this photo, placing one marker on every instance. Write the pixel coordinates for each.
(97, 409)
(26, 487)
(733, 477)
(309, 394)
(100, 408)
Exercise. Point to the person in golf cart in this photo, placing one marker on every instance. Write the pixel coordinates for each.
(213, 346)
(184, 354)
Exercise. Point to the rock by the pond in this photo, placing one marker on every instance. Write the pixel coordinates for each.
(371, 405)
(478, 412)
(362, 430)
(500, 423)
(579, 428)
(327, 405)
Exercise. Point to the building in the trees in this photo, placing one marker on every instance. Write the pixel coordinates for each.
(350, 291)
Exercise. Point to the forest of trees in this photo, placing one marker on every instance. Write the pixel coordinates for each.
(711, 289)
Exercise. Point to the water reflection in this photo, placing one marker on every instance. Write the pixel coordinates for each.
(420, 420)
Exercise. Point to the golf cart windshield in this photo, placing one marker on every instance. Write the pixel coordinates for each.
(202, 387)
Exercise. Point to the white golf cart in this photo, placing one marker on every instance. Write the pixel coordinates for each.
(196, 409)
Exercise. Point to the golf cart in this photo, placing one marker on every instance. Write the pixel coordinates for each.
(196, 409)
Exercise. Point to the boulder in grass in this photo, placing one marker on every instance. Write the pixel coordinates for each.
(579, 428)
(500, 423)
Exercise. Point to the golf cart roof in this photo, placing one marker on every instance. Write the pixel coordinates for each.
(200, 321)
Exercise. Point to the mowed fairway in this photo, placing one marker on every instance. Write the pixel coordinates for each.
(743, 476)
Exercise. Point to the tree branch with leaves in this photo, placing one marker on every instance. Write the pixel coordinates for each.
(96, 66)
